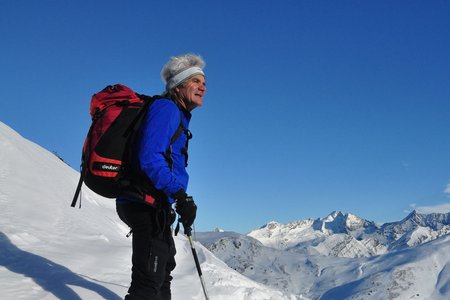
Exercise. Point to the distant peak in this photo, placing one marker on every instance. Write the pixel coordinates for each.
(333, 215)
(271, 225)
(414, 212)
(413, 215)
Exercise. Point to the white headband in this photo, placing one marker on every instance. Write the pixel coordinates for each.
(182, 76)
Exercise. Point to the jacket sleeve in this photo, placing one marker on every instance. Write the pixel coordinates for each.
(162, 120)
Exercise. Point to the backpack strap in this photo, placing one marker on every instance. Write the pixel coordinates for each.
(148, 100)
(176, 135)
(78, 190)
(83, 167)
(185, 149)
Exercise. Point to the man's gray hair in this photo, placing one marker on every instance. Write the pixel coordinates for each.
(181, 67)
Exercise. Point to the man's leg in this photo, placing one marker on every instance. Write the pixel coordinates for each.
(150, 254)
(170, 266)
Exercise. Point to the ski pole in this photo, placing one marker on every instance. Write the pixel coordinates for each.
(197, 264)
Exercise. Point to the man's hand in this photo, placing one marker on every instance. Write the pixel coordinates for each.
(186, 208)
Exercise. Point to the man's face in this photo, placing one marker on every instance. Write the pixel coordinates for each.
(192, 91)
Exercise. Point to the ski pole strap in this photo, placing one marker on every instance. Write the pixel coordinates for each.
(187, 230)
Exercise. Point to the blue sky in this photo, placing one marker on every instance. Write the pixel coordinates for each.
(312, 106)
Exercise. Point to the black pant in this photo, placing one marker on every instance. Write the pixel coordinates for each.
(153, 256)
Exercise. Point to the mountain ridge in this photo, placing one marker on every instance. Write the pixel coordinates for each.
(370, 238)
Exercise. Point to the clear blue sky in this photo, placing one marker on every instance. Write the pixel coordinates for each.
(312, 106)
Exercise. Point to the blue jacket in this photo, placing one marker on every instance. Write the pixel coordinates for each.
(157, 130)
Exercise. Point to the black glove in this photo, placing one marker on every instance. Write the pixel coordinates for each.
(186, 208)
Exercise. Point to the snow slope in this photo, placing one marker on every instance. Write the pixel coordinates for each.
(49, 250)
(421, 272)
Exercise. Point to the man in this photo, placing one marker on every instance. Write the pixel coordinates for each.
(162, 158)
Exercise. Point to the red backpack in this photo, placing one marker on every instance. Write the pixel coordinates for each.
(117, 113)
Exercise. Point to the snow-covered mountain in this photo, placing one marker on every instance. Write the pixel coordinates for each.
(343, 256)
(347, 235)
(421, 272)
(416, 229)
(49, 250)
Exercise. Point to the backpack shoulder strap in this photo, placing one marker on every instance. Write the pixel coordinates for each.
(180, 130)
(134, 125)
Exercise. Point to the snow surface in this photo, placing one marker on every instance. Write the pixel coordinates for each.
(420, 272)
(49, 250)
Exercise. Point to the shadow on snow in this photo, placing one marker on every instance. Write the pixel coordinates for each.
(52, 277)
